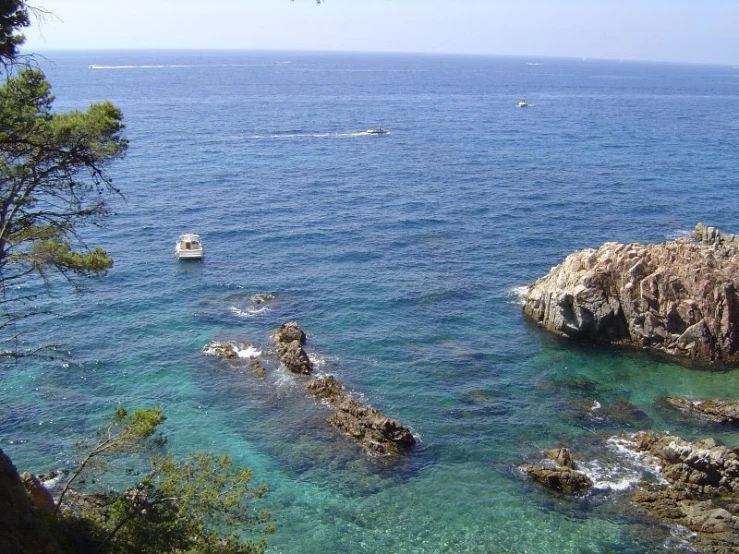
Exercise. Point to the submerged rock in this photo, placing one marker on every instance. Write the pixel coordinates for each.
(258, 368)
(290, 339)
(370, 428)
(718, 411)
(680, 297)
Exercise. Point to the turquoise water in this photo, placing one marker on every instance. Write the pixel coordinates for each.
(400, 255)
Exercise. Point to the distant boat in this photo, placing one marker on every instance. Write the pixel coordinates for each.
(189, 247)
(377, 131)
(522, 103)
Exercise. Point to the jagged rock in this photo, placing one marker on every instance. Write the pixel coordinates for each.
(290, 339)
(680, 297)
(289, 332)
(719, 411)
(221, 350)
(39, 495)
(700, 476)
(258, 368)
(21, 531)
(704, 467)
(327, 388)
(561, 479)
(562, 457)
(373, 430)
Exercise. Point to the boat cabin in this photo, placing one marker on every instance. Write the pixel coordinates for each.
(189, 247)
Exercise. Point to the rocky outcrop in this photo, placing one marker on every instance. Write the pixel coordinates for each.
(558, 473)
(290, 339)
(327, 388)
(224, 350)
(38, 494)
(701, 468)
(680, 297)
(21, 530)
(233, 353)
(561, 457)
(371, 429)
(718, 411)
(561, 479)
(702, 489)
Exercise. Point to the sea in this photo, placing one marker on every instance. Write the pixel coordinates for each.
(403, 257)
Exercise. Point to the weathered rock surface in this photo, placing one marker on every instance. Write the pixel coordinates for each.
(561, 457)
(702, 468)
(719, 411)
(38, 494)
(702, 489)
(561, 479)
(290, 339)
(680, 297)
(327, 388)
(558, 473)
(373, 430)
(21, 531)
(370, 428)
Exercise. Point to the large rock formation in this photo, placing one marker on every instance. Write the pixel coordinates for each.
(371, 429)
(21, 530)
(702, 489)
(680, 297)
(290, 339)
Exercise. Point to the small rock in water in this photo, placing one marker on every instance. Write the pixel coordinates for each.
(290, 339)
(561, 479)
(258, 368)
(222, 350)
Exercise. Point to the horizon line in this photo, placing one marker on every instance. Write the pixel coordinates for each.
(31, 52)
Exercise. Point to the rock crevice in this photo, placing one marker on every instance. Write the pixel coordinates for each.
(680, 297)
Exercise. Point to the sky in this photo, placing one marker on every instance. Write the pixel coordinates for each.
(693, 31)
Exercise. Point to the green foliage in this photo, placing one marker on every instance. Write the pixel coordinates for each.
(57, 252)
(199, 505)
(53, 181)
(136, 432)
(13, 17)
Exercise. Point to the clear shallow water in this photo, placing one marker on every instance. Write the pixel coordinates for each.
(400, 256)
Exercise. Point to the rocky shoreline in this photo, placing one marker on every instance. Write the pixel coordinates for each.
(680, 297)
(698, 488)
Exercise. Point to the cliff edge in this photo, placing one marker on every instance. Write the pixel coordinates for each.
(679, 297)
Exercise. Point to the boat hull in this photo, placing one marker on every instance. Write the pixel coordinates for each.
(194, 254)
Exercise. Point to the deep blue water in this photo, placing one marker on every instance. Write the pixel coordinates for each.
(400, 256)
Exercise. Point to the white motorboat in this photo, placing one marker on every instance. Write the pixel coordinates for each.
(522, 103)
(189, 247)
(377, 131)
